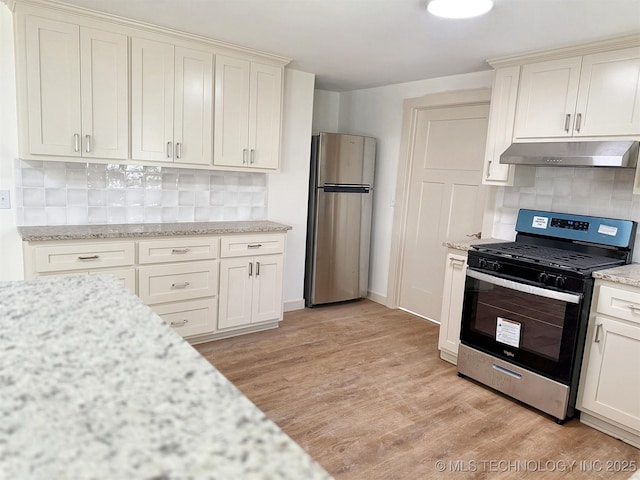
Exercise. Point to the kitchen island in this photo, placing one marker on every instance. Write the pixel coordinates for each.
(96, 386)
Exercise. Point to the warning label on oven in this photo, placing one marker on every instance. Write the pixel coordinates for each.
(540, 222)
(508, 332)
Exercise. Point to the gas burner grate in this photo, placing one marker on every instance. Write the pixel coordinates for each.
(556, 257)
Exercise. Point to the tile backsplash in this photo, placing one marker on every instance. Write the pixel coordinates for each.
(601, 192)
(59, 193)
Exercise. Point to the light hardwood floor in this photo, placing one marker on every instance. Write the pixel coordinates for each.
(362, 389)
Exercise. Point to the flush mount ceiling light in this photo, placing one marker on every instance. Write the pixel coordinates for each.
(459, 8)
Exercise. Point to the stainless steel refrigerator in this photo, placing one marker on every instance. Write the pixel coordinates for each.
(339, 222)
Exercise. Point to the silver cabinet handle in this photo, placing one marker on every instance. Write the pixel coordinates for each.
(180, 285)
(598, 332)
(250, 269)
(176, 251)
(76, 142)
(257, 268)
(253, 155)
(567, 122)
(87, 146)
(90, 257)
(255, 245)
(578, 122)
(489, 169)
(179, 150)
(634, 308)
(169, 149)
(176, 324)
(244, 156)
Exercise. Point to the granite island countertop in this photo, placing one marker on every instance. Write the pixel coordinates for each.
(626, 274)
(96, 386)
(130, 230)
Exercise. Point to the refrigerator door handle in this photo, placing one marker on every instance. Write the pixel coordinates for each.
(330, 188)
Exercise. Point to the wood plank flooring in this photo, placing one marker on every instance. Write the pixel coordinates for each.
(362, 389)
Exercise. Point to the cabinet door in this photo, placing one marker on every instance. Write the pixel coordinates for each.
(500, 131)
(452, 299)
(231, 127)
(105, 94)
(267, 288)
(53, 87)
(609, 95)
(236, 286)
(152, 79)
(193, 134)
(547, 99)
(264, 116)
(612, 382)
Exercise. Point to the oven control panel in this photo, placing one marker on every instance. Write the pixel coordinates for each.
(570, 224)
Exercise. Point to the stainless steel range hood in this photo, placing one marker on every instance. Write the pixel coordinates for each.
(573, 154)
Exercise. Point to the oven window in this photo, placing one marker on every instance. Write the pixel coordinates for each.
(521, 320)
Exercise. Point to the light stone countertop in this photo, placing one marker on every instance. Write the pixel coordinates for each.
(80, 232)
(465, 245)
(626, 274)
(96, 386)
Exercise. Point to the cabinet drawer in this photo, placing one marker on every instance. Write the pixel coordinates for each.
(178, 281)
(58, 258)
(618, 302)
(251, 245)
(126, 275)
(192, 317)
(177, 249)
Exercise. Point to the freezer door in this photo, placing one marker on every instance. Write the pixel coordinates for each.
(341, 250)
(345, 159)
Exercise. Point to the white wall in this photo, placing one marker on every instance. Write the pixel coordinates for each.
(326, 111)
(287, 197)
(377, 112)
(10, 243)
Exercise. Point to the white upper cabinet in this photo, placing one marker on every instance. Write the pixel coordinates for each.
(248, 106)
(77, 90)
(590, 96)
(171, 103)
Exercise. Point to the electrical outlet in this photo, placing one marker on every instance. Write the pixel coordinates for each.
(5, 199)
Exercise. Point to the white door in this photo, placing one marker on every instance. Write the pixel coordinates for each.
(231, 126)
(236, 289)
(264, 115)
(53, 87)
(152, 82)
(547, 99)
(105, 94)
(267, 288)
(609, 95)
(193, 133)
(446, 198)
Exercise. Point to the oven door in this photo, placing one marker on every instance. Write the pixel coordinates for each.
(530, 326)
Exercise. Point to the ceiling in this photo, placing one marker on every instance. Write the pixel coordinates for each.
(353, 44)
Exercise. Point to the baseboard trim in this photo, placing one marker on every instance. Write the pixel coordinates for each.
(292, 305)
(376, 297)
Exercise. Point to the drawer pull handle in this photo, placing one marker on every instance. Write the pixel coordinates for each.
(180, 285)
(567, 122)
(633, 308)
(179, 250)
(598, 331)
(90, 257)
(255, 245)
(250, 269)
(257, 268)
(177, 324)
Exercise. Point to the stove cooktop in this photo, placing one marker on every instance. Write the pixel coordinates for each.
(549, 256)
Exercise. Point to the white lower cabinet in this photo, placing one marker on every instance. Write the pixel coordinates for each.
(609, 393)
(452, 299)
(251, 285)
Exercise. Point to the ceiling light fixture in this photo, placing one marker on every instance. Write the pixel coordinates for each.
(459, 8)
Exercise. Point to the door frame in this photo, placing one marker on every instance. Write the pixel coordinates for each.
(459, 98)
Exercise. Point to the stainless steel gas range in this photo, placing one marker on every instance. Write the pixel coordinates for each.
(526, 305)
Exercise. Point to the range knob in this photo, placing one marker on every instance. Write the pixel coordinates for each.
(482, 263)
(542, 277)
(560, 281)
(493, 266)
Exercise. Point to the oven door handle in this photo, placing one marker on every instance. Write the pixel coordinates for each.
(523, 287)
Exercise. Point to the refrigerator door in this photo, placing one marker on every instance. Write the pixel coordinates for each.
(341, 248)
(345, 159)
